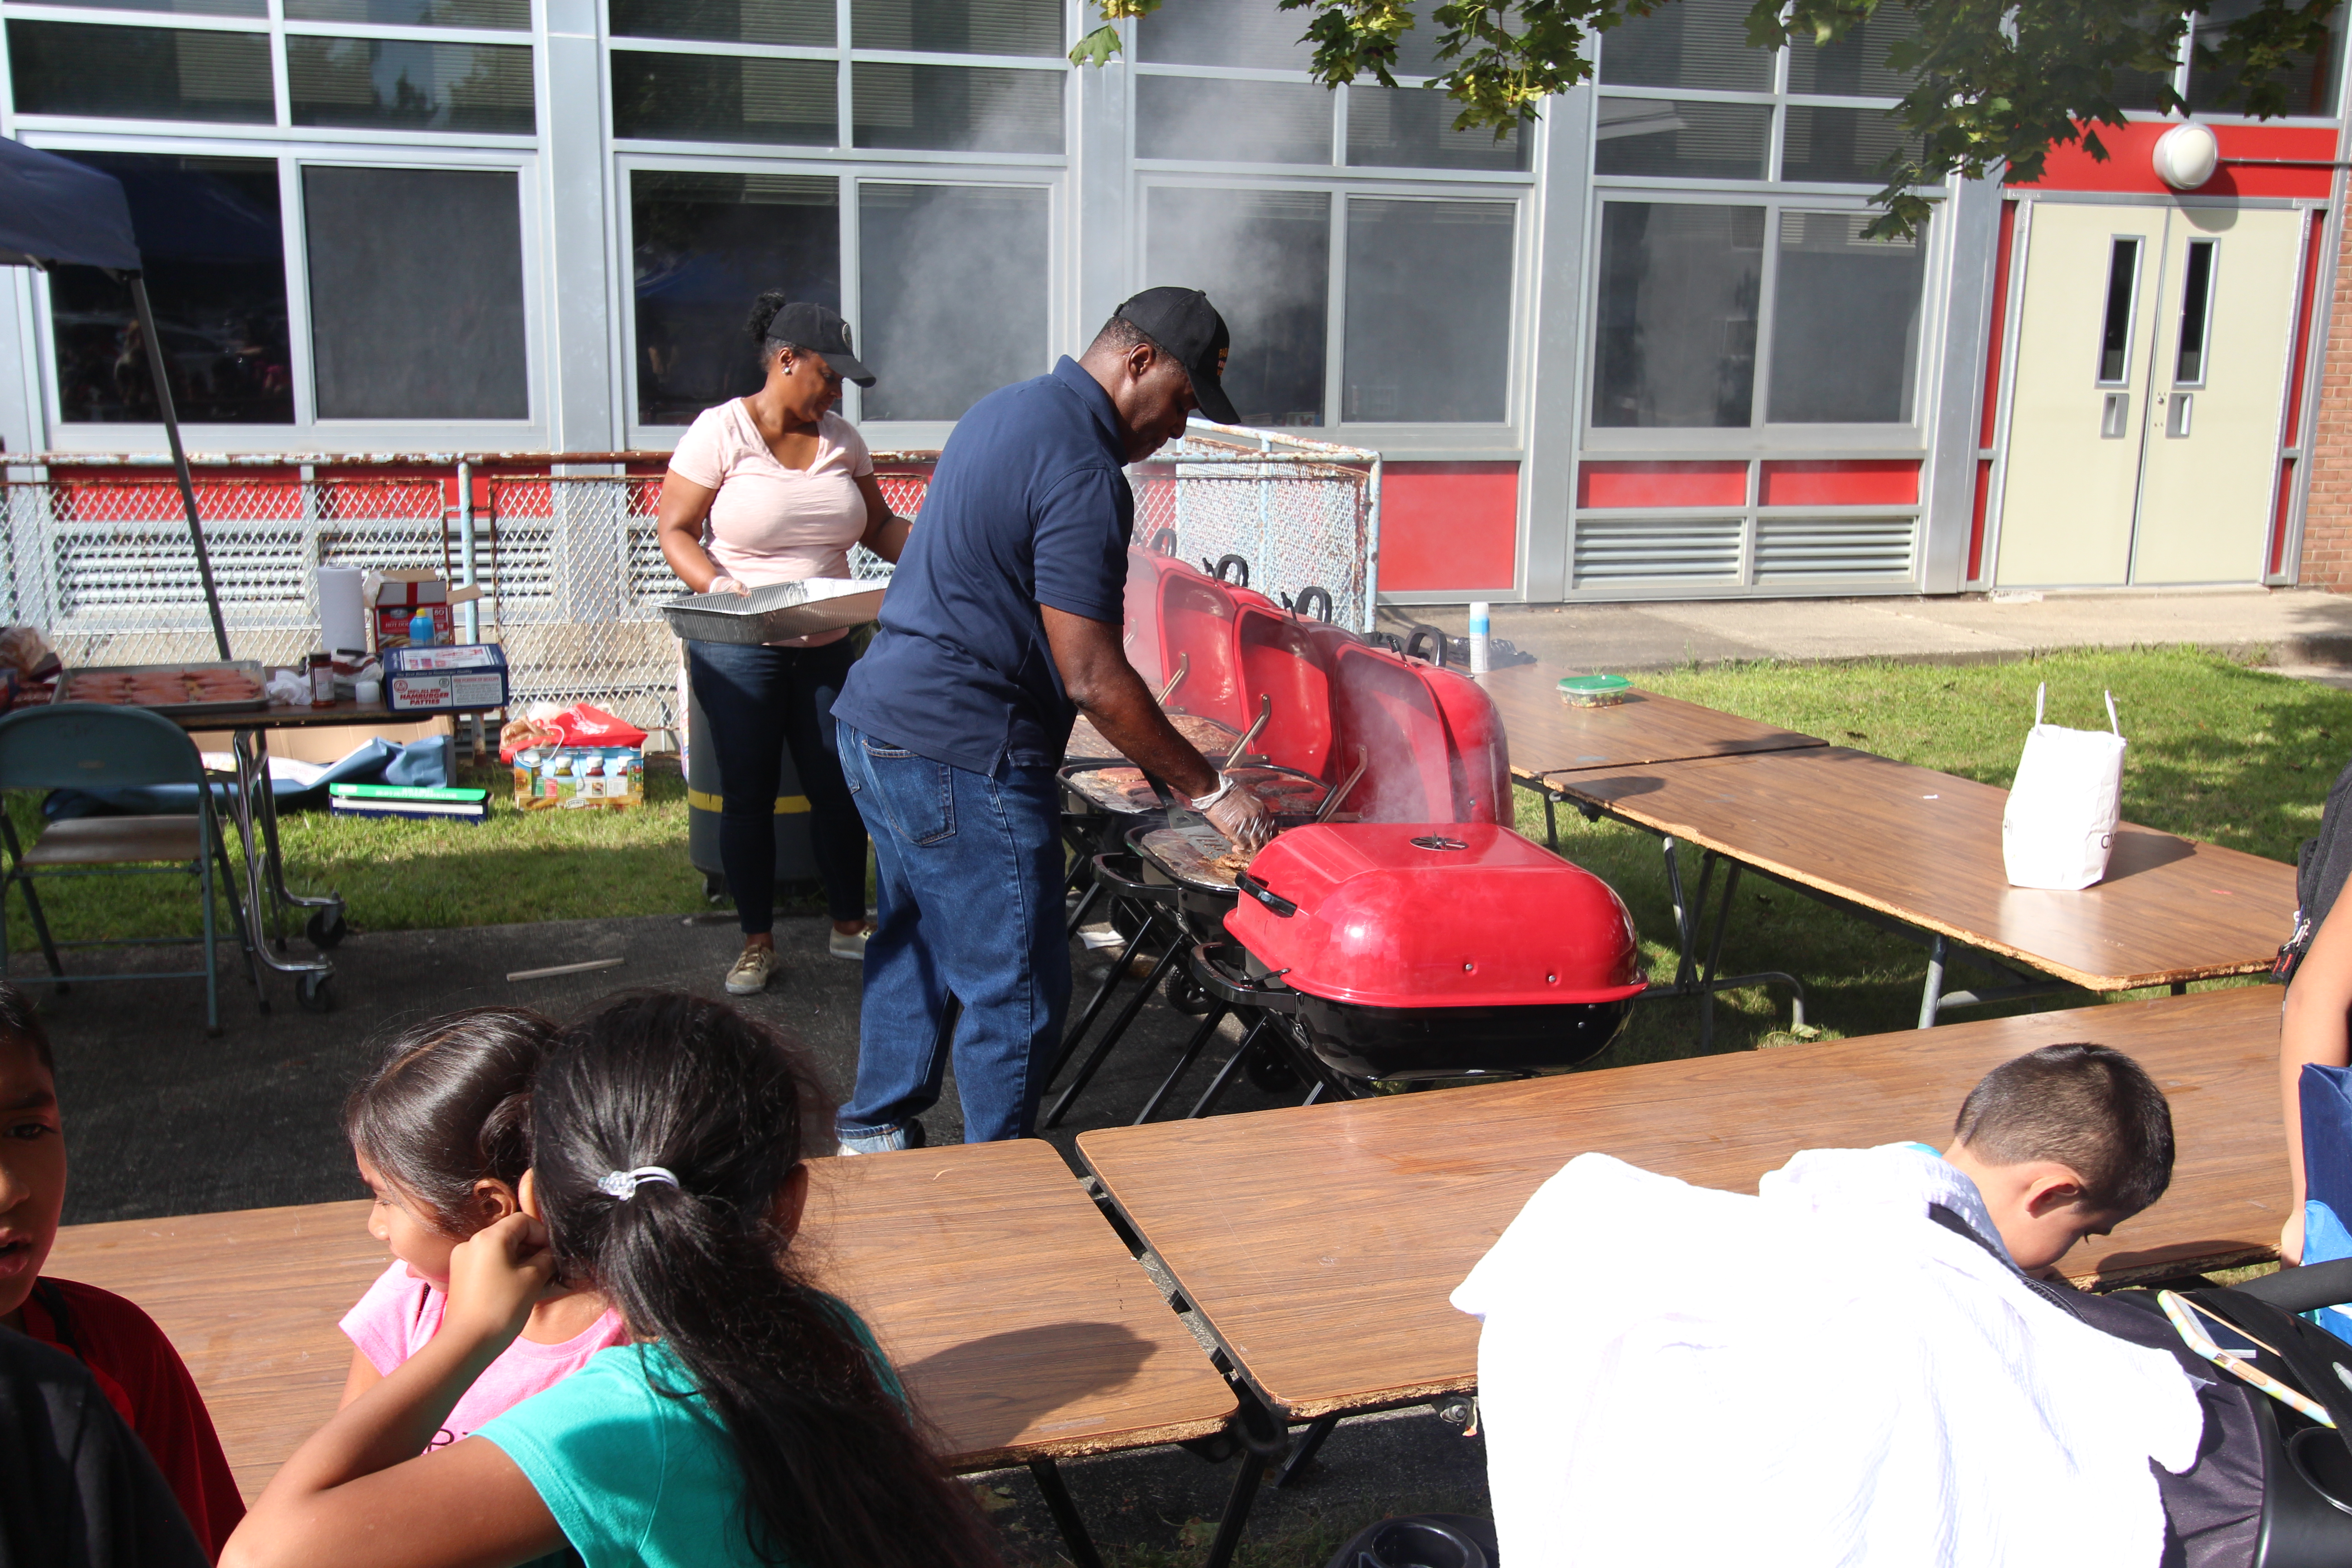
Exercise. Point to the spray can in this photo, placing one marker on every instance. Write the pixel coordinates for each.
(1478, 638)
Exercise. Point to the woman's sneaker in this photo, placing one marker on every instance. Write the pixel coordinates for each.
(753, 971)
(849, 945)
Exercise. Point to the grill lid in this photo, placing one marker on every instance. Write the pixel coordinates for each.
(1456, 914)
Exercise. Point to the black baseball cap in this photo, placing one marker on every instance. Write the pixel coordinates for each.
(1183, 321)
(820, 330)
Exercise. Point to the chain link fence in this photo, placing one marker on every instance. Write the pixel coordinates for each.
(570, 572)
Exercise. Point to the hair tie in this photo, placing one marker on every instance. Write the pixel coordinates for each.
(623, 1184)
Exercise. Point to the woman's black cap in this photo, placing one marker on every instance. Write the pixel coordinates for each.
(1183, 321)
(820, 330)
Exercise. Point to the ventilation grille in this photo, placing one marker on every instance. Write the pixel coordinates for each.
(1801, 548)
(1610, 551)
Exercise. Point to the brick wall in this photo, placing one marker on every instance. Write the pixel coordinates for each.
(2327, 516)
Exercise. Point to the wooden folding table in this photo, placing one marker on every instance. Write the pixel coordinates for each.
(1319, 1243)
(1023, 1329)
(1918, 853)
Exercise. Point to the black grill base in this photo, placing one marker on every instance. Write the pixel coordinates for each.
(1401, 1046)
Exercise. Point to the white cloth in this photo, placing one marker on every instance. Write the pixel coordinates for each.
(1819, 1375)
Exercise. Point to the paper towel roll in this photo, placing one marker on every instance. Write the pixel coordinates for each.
(342, 620)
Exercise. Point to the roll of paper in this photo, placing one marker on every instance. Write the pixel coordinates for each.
(342, 620)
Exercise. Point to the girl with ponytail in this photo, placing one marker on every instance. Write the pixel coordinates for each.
(751, 1421)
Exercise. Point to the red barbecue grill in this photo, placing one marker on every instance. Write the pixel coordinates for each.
(1394, 955)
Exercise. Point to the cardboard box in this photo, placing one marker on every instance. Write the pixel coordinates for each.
(445, 679)
(400, 595)
(391, 624)
(581, 778)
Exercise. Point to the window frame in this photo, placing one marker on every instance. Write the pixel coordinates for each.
(849, 173)
(306, 431)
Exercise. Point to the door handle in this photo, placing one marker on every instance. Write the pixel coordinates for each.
(2176, 415)
(2114, 416)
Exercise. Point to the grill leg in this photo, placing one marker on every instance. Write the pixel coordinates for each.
(1102, 994)
(1192, 1049)
(1225, 1075)
(1048, 1477)
(1085, 904)
(1111, 1037)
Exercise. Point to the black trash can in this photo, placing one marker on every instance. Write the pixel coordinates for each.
(796, 857)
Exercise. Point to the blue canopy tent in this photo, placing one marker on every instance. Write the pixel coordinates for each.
(54, 211)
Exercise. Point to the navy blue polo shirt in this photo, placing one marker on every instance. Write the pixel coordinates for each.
(1029, 506)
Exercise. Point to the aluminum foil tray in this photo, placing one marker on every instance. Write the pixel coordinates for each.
(250, 669)
(776, 612)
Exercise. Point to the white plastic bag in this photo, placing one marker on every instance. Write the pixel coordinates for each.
(2062, 810)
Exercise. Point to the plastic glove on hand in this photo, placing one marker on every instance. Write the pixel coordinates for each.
(722, 584)
(1244, 819)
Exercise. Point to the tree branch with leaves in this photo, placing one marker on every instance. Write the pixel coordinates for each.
(1996, 84)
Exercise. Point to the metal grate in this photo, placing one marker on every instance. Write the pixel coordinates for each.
(1872, 549)
(1614, 550)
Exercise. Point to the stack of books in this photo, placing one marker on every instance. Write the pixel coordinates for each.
(403, 800)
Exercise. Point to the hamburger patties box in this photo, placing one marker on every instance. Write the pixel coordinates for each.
(436, 680)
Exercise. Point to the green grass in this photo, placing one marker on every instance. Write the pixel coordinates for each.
(398, 873)
(2218, 751)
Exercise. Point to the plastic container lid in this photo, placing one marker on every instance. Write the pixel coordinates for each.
(1590, 686)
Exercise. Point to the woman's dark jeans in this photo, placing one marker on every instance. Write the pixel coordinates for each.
(758, 700)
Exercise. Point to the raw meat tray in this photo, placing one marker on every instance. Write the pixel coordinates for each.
(248, 668)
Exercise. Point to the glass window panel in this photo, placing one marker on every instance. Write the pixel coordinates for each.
(1429, 310)
(388, 82)
(1855, 66)
(1663, 137)
(706, 246)
(2196, 310)
(214, 252)
(139, 73)
(515, 14)
(416, 293)
(955, 109)
(808, 23)
(2115, 330)
(1417, 50)
(180, 7)
(1232, 121)
(718, 98)
(1675, 328)
(2310, 82)
(959, 27)
(1224, 33)
(1691, 43)
(1412, 128)
(2141, 89)
(930, 253)
(1842, 145)
(1264, 260)
(1845, 322)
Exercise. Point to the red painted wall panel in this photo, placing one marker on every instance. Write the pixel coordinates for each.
(2128, 166)
(1603, 485)
(1445, 526)
(1855, 482)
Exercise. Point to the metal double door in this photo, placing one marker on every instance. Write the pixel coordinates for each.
(2149, 388)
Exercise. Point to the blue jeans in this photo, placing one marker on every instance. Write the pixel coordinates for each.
(761, 701)
(969, 869)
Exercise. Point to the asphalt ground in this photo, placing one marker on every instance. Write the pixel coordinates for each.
(160, 1120)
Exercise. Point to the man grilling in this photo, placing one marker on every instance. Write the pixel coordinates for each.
(1002, 624)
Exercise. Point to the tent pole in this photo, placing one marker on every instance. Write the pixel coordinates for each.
(179, 457)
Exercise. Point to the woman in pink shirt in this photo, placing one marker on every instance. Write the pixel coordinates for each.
(775, 487)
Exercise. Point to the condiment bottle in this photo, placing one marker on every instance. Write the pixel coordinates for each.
(420, 630)
(322, 680)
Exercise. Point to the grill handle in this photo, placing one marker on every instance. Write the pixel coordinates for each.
(1265, 895)
(1223, 561)
(1111, 871)
(1235, 988)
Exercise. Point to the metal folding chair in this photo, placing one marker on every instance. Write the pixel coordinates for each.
(94, 746)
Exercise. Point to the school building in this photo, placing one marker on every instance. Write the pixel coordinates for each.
(1638, 350)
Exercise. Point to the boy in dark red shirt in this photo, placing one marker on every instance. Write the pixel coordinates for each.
(131, 1362)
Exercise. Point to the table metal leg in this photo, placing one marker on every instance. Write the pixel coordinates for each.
(1048, 1477)
(32, 903)
(1237, 1509)
(1304, 1455)
(1551, 821)
(256, 826)
(1931, 995)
